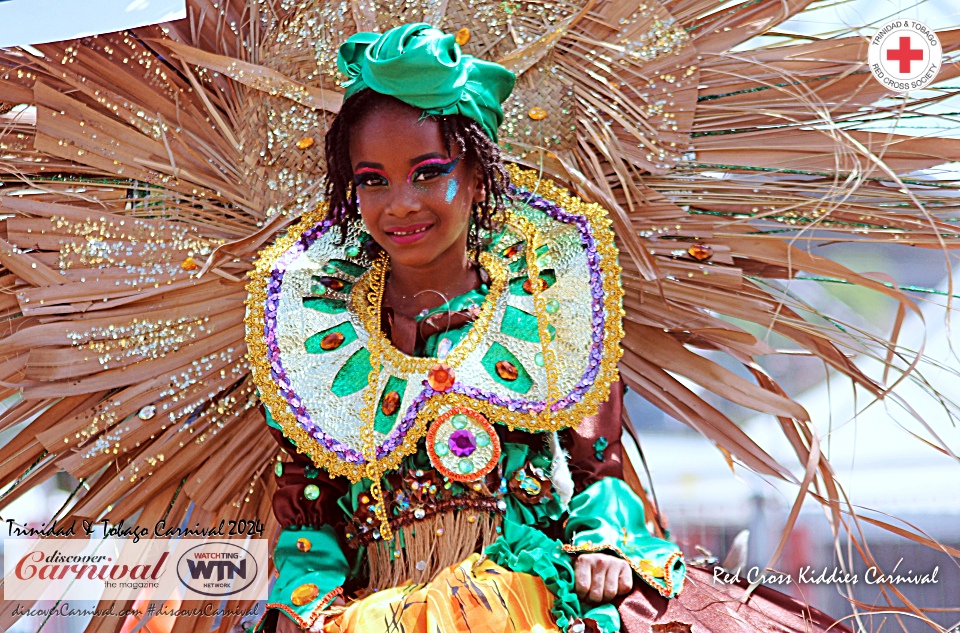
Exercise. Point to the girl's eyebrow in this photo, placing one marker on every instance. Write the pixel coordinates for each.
(446, 166)
(365, 170)
(413, 161)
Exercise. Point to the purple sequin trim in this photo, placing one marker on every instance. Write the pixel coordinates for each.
(395, 439)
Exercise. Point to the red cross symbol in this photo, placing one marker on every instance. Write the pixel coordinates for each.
(905, 54)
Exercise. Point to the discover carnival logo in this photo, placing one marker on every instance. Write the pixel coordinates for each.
(905, 55)
(127, 569)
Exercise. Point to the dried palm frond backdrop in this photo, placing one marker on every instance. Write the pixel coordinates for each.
(153, 164)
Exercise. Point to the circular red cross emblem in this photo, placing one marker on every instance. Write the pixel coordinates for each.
(905, 54)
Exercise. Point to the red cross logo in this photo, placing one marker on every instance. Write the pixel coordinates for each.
(905, 54)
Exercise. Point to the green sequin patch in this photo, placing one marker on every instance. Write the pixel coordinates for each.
(523, 325)
(353, 376)
(325, 304)
(347, 268)
(516, 285)
(498, 352)
(346, 329)
(383, 423)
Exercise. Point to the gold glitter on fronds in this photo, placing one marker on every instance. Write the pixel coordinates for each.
(139, 339)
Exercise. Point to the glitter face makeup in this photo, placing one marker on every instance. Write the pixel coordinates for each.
(452, 186)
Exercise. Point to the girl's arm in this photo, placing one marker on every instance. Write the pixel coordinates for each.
(605, 514)
(308, 556)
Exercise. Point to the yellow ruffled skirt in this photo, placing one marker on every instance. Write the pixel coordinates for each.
(476, 595)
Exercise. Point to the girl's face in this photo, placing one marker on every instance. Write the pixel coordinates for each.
(415, 197)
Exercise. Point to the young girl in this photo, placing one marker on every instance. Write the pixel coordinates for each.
(437, 353)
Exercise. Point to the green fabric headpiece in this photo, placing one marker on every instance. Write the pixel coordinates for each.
(424, 67)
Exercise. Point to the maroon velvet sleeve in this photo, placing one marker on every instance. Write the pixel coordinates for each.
(290, 506)
(581, 444)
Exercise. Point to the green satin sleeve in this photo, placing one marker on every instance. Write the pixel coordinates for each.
(311, 574)
(608, 517)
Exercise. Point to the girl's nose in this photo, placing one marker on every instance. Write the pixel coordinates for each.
(404, 202)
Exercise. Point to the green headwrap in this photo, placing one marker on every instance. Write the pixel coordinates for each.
(424, 67)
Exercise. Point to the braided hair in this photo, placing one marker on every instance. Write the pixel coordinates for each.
(475, 146)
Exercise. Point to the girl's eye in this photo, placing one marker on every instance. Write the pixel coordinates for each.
(369, 180)
(427, 174)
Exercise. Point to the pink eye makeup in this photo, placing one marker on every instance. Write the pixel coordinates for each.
(432, 167)
(424, 171)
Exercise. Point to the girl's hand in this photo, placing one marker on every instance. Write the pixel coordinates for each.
(601, 577)
(286, 625)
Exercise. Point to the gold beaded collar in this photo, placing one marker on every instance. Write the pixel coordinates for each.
(540, 356)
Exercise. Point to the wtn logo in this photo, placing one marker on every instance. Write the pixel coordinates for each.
(224, 568)
(219, 569)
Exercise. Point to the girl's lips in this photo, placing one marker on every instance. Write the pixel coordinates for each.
(408, 234)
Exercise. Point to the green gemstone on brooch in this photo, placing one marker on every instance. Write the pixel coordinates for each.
(482, 439)
(311, 492)
(310, 471)
(329, 269)
(353, 251)
(441, 448)
(465, 466)
(278, 469)
(538, 359)
(318, 290)
(553, 306)
(598, 456)
(459, 421)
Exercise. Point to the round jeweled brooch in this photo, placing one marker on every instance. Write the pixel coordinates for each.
(463, 445)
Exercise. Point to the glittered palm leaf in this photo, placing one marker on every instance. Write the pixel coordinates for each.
(157, 162)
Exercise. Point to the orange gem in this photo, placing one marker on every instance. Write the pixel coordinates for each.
(332, 283)
(391, 402)
(441, 377)
(528, 287)
(463, 36)
(304, 544)
(513, 250)
(333, 340)
(189, 264)
(506, 370)
(700, 252)
(304, 594)
(537, 113)
(306, 142)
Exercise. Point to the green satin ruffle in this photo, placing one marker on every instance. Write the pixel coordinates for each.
(608, 517)
(424, 67)
(523, 549)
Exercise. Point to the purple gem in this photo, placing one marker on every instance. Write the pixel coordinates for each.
(462, 443)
